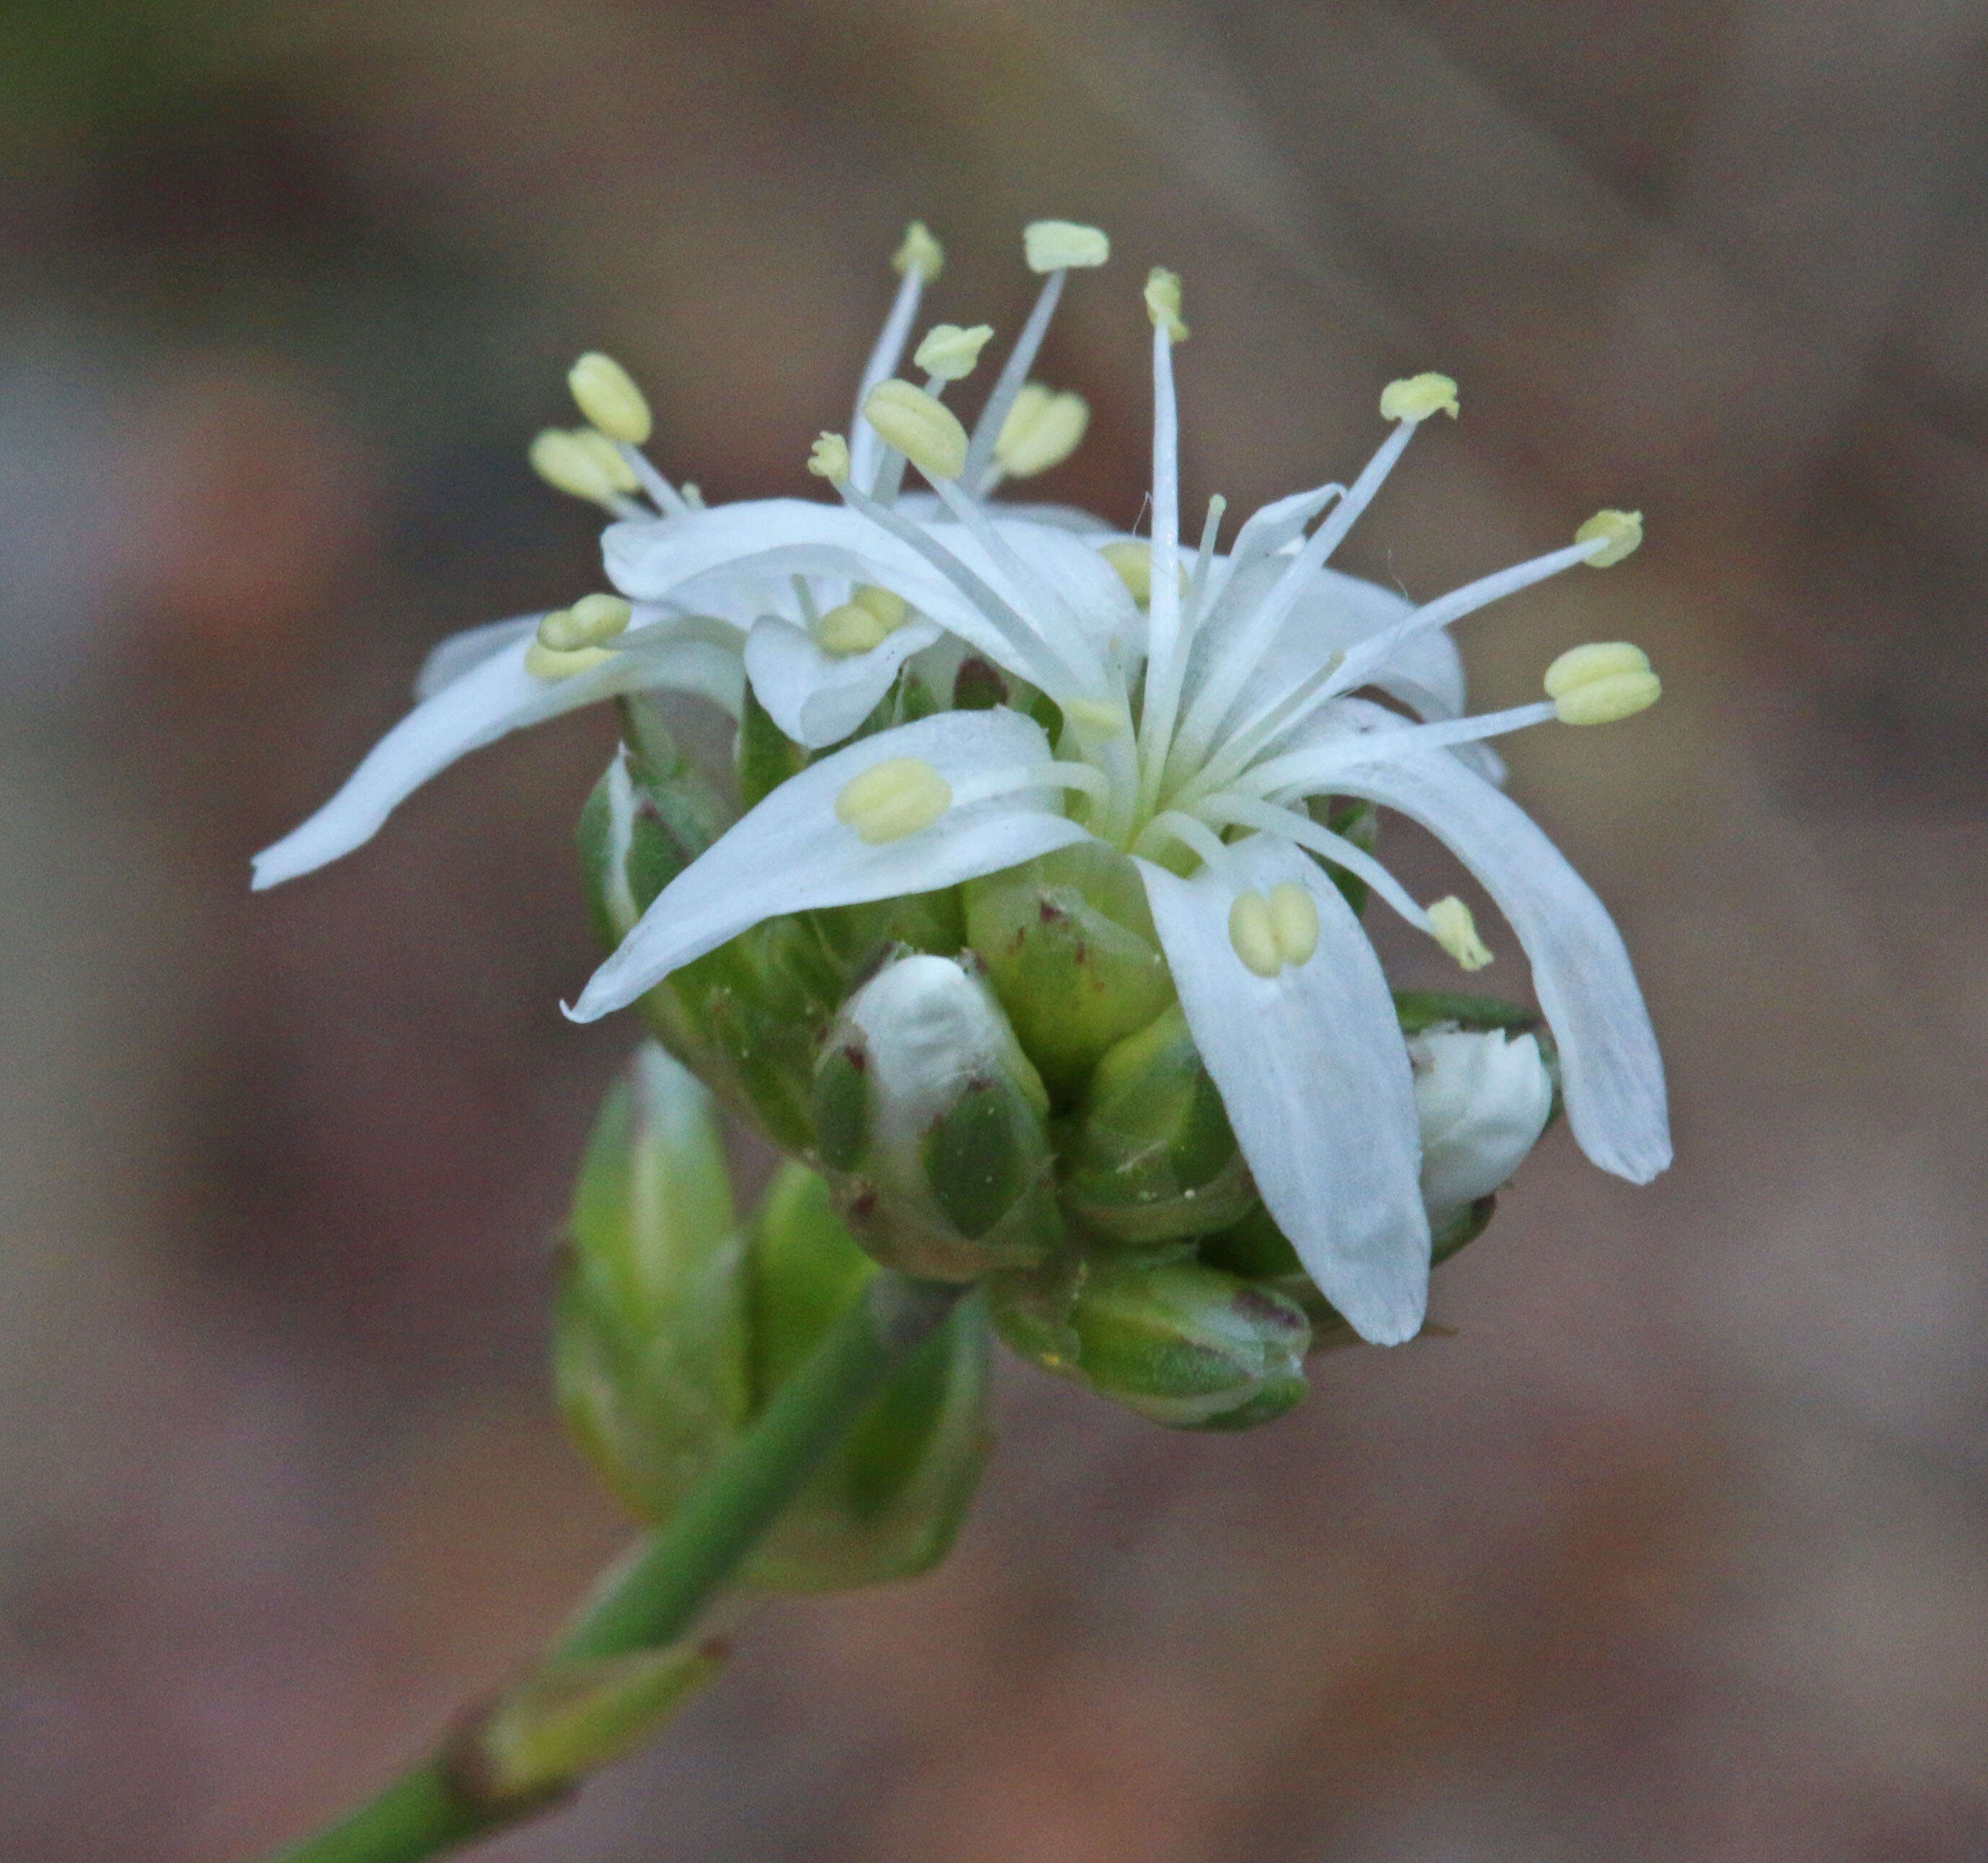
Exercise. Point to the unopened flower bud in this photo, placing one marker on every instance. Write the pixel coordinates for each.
(1482, 1097)
(1150, 1154)
(649, 1346)
(1178, 1343)
(888, 1502)
(931, 1120)
(1070, 947)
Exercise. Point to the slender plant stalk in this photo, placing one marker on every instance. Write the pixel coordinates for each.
(654, 1599)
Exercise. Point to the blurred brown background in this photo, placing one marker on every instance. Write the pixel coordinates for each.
(1676, 1551)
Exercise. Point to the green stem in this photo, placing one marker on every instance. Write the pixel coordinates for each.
(654, 1599)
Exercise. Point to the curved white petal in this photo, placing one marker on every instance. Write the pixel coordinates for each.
(1312, 1068)
(463, 652)
(792, 853)
(1612, 1073)
(818, 698)
(493, 697)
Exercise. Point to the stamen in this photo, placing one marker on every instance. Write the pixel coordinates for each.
(568, 462)
(1290, 825)
(892, 800)
(591, 621)
(1415, 397)
(886, 604)
(1164, 668)
(1204, 559)
(667, 498)
(546, 662)
(1618, 532)
(950, 352)
(1134, 562)
(1252, 932)
(1602, 683)
(920, 426)
(1097, 718)
(829, 458)
(606, 394)
(1196, 836)
(1041, 430)
(1452, 927)
(848, 630)
(1163, 304)
(1060, 775)
(919, 254)
(1050, 245)
(1294, 921)
(917, 262)
(804, 599)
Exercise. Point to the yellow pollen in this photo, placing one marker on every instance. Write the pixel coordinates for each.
(544, 662)
(892, 800)
(607, 394)
(1415, 397)
(568, 463)
(1294, 921)
(920, 253)
(1163, 303)
(886, 604)
(950, 352)
(923, 428)
(1623, 529)
(1253, 934)
(1456, 932)
(1041, 430)
(590, 622)
(829, 458)
(850, 630)
(1050, 245)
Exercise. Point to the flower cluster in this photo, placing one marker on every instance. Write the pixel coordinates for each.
(1036, 927)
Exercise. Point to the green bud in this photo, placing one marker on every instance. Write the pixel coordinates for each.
(932, 1123)
(649, 1340)
(1180, 1343)
(891, 1498)
(1149, 1154)
(1070, 947)
(765, 756)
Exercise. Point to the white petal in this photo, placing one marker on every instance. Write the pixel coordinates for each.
(791, 854)
(494, 698)
(462, 653)
(1581, 972)
(1312, 1068)
(818, 698)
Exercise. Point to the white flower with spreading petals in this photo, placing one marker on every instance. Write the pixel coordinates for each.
(1193, 736)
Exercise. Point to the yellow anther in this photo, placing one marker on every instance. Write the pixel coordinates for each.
(547, 663)
(568, 463)
(1456, 932)
(1041, 430)
(1622, 529)
(849, 630)
(1097, 717)
(590, 622)
(1252, 932)
(920, 253)
(923, 428)
(892, 800)
(1602, 682)
(829, 458)
(886, 604)
(949, 351)
(1050, 245)
(692, 494)
(607, 394)
(1415, 397)
(1163, 303)
(1134, 562)
(1294, 921)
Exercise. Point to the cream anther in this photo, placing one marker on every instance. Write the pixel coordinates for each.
(568, 463)
(849, 630)
(1041, 430)
(1254, 933)
(829, 458)
(1051, 246)
(951, 352)
(923, 429)
(1294, 921)
(1602, 682)
(1415, 397)
(545, 662)
(892, 800)
(1134, 562)
(1453, 928)
(607, 394)
(1163, 303)
(1620, 532)
(1098, 718)
(590, 622)
(620, 474)
(920, 253)
(886, 604)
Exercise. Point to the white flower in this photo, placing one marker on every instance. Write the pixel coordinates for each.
(1482, 1098)
(1222, 708)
